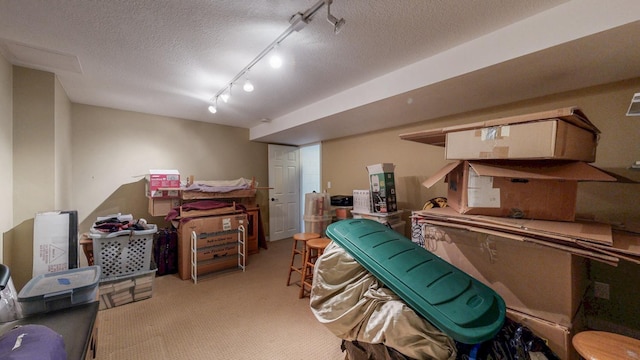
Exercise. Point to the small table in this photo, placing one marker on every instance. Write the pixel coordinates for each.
(77, 325)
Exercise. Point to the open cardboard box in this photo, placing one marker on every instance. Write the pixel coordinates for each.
(556, 336)
(544, 282)
(545, 190)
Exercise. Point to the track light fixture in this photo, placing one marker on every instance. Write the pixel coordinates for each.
(226, 95)
(297, 22)
(337, 24)
(275, 60)
(248, 86)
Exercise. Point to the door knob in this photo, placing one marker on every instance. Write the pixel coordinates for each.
(273, 199)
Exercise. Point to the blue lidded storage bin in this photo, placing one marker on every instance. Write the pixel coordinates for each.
(59, 290)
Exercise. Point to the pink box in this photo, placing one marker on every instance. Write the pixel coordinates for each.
(163, 179)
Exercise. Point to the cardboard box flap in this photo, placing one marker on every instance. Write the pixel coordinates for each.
(437, 137)
(599, 233)
(433, 179)
(543, 170)
(572, 115)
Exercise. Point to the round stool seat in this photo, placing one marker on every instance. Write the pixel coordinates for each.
(305, 236)
(318, 243)
(604, 345)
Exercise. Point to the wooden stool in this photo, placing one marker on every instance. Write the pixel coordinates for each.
(295, 250)
(315, 248)
(603, 345)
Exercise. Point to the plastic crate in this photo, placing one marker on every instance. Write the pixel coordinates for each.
(59, 290)
(126, 289)
(123, 252)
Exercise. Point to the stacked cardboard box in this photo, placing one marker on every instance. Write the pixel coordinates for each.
(522, 167)
(162, 188)
(382, 188)
(126, 289)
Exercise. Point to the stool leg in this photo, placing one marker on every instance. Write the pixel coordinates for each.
(294, 252)
(305, 269)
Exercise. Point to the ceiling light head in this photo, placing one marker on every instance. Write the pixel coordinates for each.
(213, 109)
(337, 24)
(275, 60)
(248, 86)
(225, 96)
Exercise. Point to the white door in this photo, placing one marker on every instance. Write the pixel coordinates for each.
(284, 192)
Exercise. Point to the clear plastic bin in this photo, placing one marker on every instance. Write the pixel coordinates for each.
(59, 290)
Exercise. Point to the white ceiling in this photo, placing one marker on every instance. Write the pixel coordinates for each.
(394, 62)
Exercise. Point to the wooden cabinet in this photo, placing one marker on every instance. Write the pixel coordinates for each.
(253, 219)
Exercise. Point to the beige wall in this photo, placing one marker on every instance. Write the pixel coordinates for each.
(33, 142)
(41, 155)
(6, 149)
(62, 148)
(344, 162)
(114, 149)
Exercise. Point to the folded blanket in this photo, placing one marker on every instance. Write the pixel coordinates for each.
(220, 185)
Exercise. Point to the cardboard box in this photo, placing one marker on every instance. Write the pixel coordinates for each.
(548, 139)
(382, 187)
(160, 193)
(126, 289)
(570, 115)
(556, 336)
(206, 227)
(55, 242)
(545, 190)
(162, 206)
(533, 279)
(163, 179)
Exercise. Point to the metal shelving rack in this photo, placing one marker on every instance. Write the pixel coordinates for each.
(242, 254)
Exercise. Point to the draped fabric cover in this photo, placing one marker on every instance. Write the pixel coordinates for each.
(355, 306)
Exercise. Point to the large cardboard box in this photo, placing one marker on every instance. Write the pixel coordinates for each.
(55, 242)
(559, 134)
(548, 139)
(212, 228)
(382, 187)
(556, 336)
(541, 281)
(545, 190)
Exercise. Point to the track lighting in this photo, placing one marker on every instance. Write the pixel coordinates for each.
(337, 24)
(248, 86)
(225, 95)
(297, 22)
(275, 60)
(214, 107)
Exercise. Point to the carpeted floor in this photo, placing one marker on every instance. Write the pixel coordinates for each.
(229, 315)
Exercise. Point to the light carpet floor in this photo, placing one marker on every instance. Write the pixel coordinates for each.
(231, 315)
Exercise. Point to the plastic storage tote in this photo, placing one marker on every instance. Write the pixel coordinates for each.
(59, 290)
(459, 305)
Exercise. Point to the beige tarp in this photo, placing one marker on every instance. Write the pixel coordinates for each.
(355, 306)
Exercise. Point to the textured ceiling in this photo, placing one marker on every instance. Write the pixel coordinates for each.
(171, 57)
